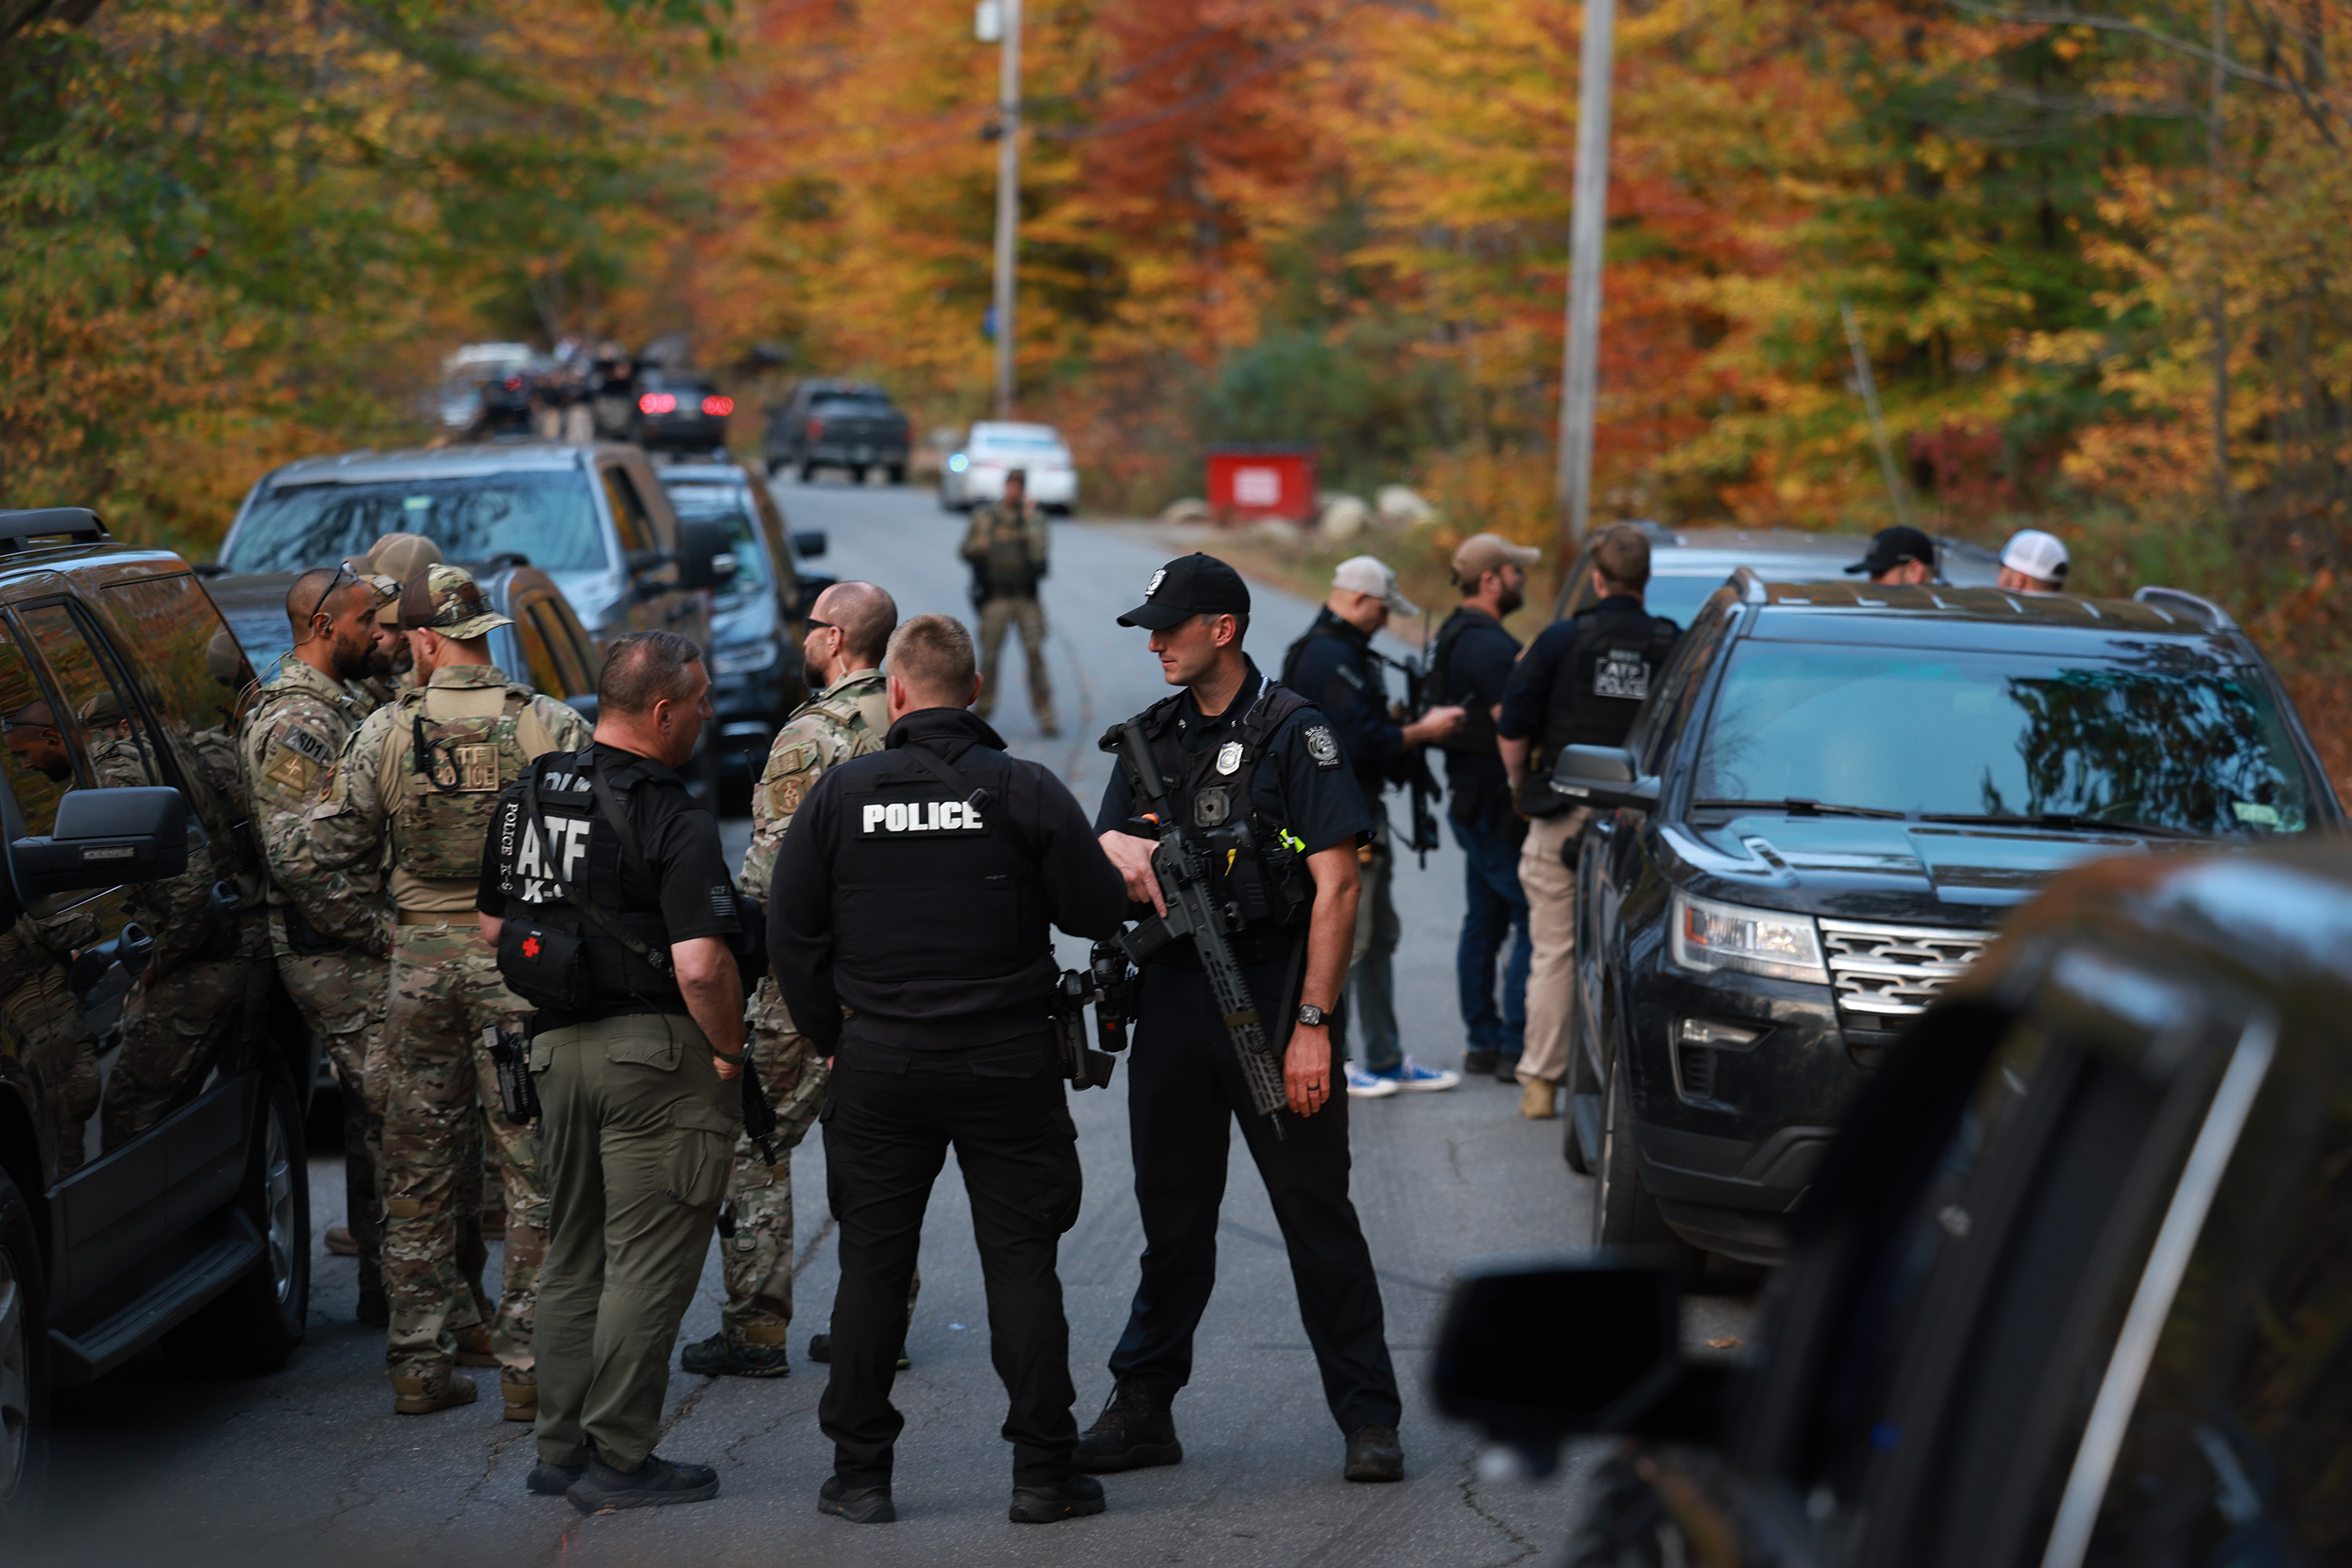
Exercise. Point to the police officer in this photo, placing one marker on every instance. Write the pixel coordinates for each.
(1333, 667)
(916, 890)
(417, 787)
(1007, 547)
(848, 627)
(2034, 562)
(1469, 666)
(295, 730)
(1238, 740)
(1579, 684)
(1900, 557)
(605, 892)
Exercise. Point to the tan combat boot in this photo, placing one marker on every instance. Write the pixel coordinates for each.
(411, 1397)
(474, 1345)
(1536, 1099)
(522, 1399)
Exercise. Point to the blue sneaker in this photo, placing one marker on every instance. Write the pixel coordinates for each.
(1362, 1085)
(1411, 1075)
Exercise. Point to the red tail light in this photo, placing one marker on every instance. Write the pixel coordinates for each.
(816, 428)
(719, 408)
(514, 383)
(656, 403)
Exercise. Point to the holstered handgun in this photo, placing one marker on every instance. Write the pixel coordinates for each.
(518, 1095)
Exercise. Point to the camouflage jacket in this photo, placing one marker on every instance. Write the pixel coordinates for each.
(358, 827)
(847, 718)
(294, 734)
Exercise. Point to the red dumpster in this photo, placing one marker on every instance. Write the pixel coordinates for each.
(1246, 483)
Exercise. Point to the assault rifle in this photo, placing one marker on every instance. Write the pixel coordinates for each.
(1421, 695)
(1109, 982)
(1183, 865)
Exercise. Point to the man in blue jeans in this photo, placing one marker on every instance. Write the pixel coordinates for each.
(1472, 662)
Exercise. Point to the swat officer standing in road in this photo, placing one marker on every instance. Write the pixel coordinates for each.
(1579, 684)
(1007, 546)
(294, 733)
(606, 893)
(917, 889)
(848, 627)
(425, 772)
(1334, 667)
(1234, 745)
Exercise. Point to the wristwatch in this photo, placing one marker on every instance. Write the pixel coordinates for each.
(1311, 1015)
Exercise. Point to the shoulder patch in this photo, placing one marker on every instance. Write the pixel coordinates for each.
(293, 773)
(1322, 745)
(296, 739)
(1351, 675)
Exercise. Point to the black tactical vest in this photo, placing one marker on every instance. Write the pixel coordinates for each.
(558, 957)
(1603, 679)
(1260, 866)
(1476, 735)
(930, 881)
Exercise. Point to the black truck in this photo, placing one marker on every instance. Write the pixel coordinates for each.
(830, 424)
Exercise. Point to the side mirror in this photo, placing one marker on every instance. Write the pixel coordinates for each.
(810, 544)
(706, 554)
(1534, 1352)
(1604, 776)
(105, 836)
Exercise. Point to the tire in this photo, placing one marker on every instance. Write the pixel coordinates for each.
(23, 1365)
(898, 473)
(808, 473)
(775, 468)
(1624, 1216)
(255, 1325)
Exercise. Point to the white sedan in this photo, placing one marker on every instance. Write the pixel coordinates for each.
(975, 471)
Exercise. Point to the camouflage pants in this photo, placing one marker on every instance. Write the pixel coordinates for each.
(173, 1030)
(757, 1258)
(1025, 612)
(437, 1082)
(341, 996)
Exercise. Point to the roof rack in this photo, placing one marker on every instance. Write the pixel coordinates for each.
(2179, 602)
(48, 521)
(1751, 586)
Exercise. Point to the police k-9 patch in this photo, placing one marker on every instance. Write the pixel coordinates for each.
(1323, 746)
(919, 819)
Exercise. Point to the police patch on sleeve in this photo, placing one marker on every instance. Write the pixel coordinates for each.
(1323, 746)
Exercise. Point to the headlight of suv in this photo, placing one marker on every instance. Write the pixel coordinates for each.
(1708, 935)
(744, 657)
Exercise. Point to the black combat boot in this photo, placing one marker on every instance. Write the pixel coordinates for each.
(1072, 1499)
(1479, 1064)
(859, 1505)
(1374, 1454)
(715, 1357)
(1136, 1428)
(650, 1485)
(554, 1481)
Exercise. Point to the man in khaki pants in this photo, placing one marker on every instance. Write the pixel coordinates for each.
(1581, 684)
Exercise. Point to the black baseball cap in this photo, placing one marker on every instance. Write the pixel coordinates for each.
(1194, 584)
(1890, 547)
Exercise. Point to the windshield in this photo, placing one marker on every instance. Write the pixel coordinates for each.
(547, 516)
(728, 504)
(2151, 733)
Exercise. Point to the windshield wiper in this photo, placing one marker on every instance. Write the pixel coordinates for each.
(1798, 805)
(2064, 819)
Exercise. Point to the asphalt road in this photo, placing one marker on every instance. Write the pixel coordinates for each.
(310, 1465)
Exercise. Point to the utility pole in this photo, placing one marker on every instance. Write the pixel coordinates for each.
(1008, 197)
(1587, 231)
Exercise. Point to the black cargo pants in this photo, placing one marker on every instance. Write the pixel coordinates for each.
(1184, 1091)
(887, 1124)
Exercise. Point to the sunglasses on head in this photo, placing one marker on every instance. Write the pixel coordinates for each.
(343, 575)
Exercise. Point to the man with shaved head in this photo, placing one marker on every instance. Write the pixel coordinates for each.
(848, 627)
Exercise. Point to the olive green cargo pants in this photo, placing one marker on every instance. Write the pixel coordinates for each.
(636, 1133)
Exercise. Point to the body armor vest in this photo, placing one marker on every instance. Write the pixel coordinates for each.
(1007, 566)
(1603, 679)
(452, 753)
(1260, 866)
(559, 957)
(1476, 735)
(930, 880)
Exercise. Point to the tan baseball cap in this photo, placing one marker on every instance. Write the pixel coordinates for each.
(1371, 574)
(1484, 552)
(446, 599)
(399, 557)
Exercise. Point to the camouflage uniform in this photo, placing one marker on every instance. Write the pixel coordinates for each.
(479, 730)
(294, 732)
(1007, 552)
(847, 720)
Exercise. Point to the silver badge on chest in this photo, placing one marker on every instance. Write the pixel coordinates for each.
(1229, 757)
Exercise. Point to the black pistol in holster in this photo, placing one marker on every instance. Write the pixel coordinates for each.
(518, 1095)
(1109, 984)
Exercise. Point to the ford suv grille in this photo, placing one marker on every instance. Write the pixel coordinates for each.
(1895, 972)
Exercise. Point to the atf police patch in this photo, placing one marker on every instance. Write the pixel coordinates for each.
(1323, 746)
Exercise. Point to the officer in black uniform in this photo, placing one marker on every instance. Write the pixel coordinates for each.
(609, 901)
(1233, 740)
(915, 890)
(1579, 684)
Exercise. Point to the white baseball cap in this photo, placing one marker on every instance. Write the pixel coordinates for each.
(1371, 574)
(2037, 555)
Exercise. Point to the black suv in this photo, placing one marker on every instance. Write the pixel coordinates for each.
(2073, 1288)
(1833, 797)
(162, 1198)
